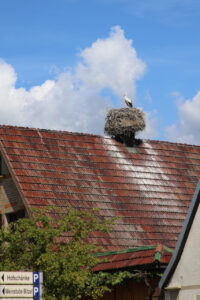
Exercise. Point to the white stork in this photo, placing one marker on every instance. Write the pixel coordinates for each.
(128, 101)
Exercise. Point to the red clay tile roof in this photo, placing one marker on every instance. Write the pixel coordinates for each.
(141, 256)
(149, 187)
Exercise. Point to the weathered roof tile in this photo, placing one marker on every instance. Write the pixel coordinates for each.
(149, 190)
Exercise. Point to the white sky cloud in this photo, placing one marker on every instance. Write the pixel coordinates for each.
(186, 130)
(150, 130)
(111, 63)
(73, 101)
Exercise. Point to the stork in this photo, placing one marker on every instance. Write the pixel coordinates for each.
(127, 101)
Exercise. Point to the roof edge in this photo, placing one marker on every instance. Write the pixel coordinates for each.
(182, 238)
(130, 250)
(4, 154)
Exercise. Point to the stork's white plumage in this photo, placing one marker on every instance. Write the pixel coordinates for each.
(128, 101)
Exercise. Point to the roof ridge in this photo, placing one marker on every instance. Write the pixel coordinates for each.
(90, 134)
(52, 130)
(170, 142)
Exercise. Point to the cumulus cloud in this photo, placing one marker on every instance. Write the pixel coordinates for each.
(150, 130)
(74, 101)
(186, 130)
(111, 63)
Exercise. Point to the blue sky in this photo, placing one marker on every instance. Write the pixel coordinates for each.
(63, 63)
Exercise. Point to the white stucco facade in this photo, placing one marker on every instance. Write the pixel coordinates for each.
(185, 281)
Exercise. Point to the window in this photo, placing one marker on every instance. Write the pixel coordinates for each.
(12, 217)
(171, 295)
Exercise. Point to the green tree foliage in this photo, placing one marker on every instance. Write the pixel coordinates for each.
(37, 244)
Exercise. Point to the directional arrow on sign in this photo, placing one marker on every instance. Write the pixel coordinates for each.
(21, 277)
(21, 291)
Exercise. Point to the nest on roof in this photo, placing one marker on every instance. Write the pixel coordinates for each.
(122, 124)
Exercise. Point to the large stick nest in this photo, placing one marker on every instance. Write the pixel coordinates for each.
(123, 123)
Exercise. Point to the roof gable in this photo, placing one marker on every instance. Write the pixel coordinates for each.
(148, 188)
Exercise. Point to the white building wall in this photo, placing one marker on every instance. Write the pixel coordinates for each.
(186, 277)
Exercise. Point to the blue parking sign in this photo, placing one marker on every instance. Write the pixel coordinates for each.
(36, 278)
(36, 291)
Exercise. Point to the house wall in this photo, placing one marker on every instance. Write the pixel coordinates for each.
(183, 295)
(186, 277)
(10, 200)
